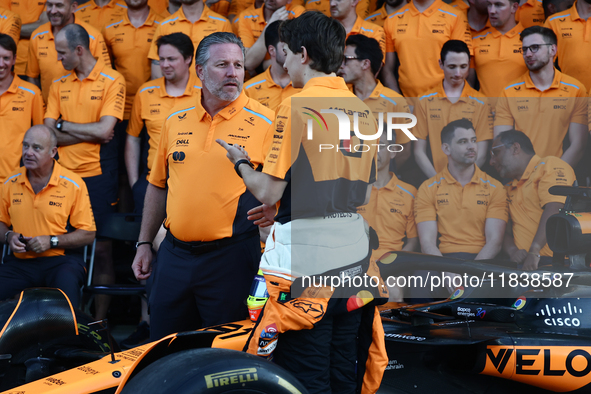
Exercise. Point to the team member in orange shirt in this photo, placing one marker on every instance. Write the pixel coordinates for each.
(360, 66)
(572, 31)
(10, 24)
(152, 105)
(32, 16)
(544, 103)
(344, 12)
(206, 263)
(466, 206)
(530, 13)
(82, 109)
(424, 24)
(253, 22)
(383, 12)
(40, 201)
(195, 20)
(452, 99)
(21, 105)
(129, 38)
(530, 203)
(98, 13)
(497, 49)
(43, 66)
(274, 85)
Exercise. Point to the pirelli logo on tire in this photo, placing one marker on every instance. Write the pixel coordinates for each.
(235, 376)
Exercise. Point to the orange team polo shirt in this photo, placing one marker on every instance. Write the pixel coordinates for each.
(21, 106)
(251, 23)
(417, 38)
(100, 94)
(390, 212)
(498, 59)
(99, 17)
(531, 13)
(263, 89)
(188, 155)
(331, 172)
(151, 107)
(434, 111)
(461, 212)
(544, 116)
(385, 100)
(362, 8)
(574, 44)
(210, 22)
(43, 56)
(378, 17)
(10, 23)
(29, 12)
(528, 196)
(129, 48)
(64, 200)
(459, 5)
(370, 30)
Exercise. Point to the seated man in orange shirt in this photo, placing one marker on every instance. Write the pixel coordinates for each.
(39, 201)
(462, 206)
(274, 85)
(530, 203)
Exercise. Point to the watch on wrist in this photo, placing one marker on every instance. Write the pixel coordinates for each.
(242, 161)
(54, 241)
(59, 124)
(140, 243)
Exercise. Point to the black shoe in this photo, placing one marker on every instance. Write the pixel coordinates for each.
(140, 336)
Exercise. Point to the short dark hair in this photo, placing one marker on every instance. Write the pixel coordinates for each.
(367, 48)
(180, 41)
(455, 46)
(202, 54)
(547, 34)
(8, 43)
(509, 137)
(447, 133)
(322, 36)
(272, 34)
(76, 35)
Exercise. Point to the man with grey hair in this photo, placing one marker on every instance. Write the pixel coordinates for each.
(207, 262)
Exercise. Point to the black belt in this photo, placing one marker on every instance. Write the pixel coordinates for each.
(198, 247)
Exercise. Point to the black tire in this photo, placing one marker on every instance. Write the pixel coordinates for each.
(213, 371)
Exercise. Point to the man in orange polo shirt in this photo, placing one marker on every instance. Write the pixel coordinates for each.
(497, 49)
(40, 201)
(32, 16)
(99, 13)
(360, 66)
(382, 13)
(530, 203)
(415, 35)
(462, 206)
(274, 85)
(530, 13)
(344, 12)
(544, 103)
(573, 39)
(21, 106)
(43, 66)
(152, 106)
(195, 20)
(10, 24)
(207, 262)
(252, 24)
(83, 109)
(452, 99)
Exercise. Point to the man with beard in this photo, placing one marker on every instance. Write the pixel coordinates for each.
(195, 20)
(274, 85)
(530, 203)
(383, 12)
(208, 260)
(570, 29)
(344, 12)
(500, 61)
(544, 103)
(42, 54)
(462, 206)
